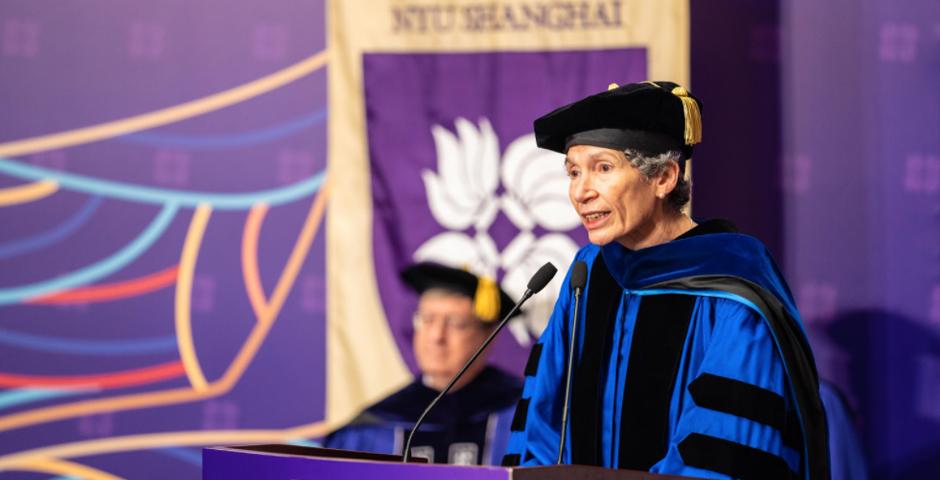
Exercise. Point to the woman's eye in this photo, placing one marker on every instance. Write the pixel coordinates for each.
(572, 173)
(605, 167)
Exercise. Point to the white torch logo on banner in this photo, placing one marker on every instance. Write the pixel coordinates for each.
(462, 195)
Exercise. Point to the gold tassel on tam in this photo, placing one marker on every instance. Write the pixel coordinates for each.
(693, 117)
(612, 86)
(486, 300)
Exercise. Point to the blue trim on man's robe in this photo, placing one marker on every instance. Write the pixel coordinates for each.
(479, 414)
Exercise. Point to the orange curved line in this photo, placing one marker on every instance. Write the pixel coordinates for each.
(270, 310)
(112, 291)
(250, 273)
(184, 289)
(126, 378)
(29, 192)
(62, 467)
(128, 443)
(304, 241)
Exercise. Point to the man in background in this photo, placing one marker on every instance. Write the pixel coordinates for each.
(456, 311)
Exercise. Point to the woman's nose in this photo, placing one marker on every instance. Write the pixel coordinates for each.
(583, 189)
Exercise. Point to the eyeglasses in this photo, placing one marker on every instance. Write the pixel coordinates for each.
(454, 323)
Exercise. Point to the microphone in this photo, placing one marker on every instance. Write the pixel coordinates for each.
(535, 285)
(577, 281)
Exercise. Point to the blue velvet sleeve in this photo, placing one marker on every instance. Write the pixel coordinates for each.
(535, 434)
(535, 427)
(732, 398)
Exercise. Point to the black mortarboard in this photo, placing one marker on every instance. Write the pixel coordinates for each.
(490, 303)
(652, 117)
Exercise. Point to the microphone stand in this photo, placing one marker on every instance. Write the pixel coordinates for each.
(406, 454)
(564, 410)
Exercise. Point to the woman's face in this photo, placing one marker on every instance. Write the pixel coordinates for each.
(613, 199)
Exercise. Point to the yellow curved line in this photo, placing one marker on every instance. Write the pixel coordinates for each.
(29, 192)
(167, 115)
(250, 273)
(180, 395)
(161, 440)
(62, 467)
(184, 290)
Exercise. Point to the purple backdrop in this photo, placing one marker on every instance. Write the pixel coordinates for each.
(71, 65)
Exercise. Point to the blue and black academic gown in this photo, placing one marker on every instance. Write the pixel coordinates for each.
(468, 427)
(846, 457)
(691, 360)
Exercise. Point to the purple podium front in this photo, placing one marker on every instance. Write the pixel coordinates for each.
(290, 462)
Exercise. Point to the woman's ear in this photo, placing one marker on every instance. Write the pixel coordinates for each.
(667, 180)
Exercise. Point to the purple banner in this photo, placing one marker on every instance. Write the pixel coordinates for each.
(456, 176)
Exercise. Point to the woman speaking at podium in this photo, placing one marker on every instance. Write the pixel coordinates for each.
(690, 357)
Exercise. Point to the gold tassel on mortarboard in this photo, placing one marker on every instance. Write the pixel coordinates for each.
(486, 299)
(693, 117)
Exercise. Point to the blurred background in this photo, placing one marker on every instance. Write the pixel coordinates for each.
(163, 261)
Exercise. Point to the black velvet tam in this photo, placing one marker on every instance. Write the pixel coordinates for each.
(652, 117)
(428, 275)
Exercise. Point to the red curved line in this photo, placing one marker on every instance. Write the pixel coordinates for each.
(126, 378)
(112, 291)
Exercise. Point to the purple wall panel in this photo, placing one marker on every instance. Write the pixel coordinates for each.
(861, 136)
(71, 65)
(735, 71)
(849, 188)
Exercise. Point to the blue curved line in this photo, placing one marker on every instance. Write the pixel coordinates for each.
(188, 455)
(73, 346)
(20, 396)
(97, 270)
(303, 442)
(140, 193)
(218, 142)
(53, 236)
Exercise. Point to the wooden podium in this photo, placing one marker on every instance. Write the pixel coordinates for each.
(290, 462)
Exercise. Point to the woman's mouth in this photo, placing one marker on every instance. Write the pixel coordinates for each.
(594, 219)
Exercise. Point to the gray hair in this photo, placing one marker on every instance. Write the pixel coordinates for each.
(651, 166)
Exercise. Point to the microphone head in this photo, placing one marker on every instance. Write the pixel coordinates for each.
(578, 275)
(541, 278)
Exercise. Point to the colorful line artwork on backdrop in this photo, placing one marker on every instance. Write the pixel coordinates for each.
(97, 270)
(266, 312)
(74, 470)
(78, 287)
(75, 346)
(112, 291)
(130, 378)
(52, 236)
(226, 141)
(130, 443)
(27, 193)
(168, 115)
(184, 289)
(22, 396)
(163, 196)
